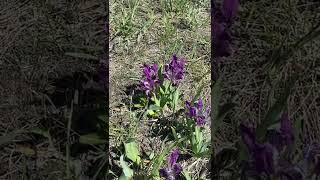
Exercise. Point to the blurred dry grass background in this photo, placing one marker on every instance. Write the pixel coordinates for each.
(263, 26)
(42, 41)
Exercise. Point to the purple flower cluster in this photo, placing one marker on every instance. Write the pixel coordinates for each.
(173, 169)
(311, 154)
(222, 20)
(262, 154)
(284, 137)
(196, 111)
(151, 79)
(266, 157)
(174, 71)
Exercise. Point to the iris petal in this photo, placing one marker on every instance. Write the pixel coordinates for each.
(173, 168)
(173, 157)
(150, 78)
(163, 172)
(248, 136)
(230, 8)
(177, 169)
(174, 71)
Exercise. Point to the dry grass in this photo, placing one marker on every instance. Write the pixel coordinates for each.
(35, 37)
(263, 26)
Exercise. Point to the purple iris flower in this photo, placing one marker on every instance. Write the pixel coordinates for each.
(102, 73)
(264, 161)
(230, 9)
(195, 111)
(311, 155)
(222, 20)
(262, 155)
(174, 71)
(286, 129)
(248, 136)
(284, 136)
(173, 169)
(289, 171)
(150, 74)
(222, 40)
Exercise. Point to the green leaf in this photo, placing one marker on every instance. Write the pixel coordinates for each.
(103, 117)
(243, 152)
(274, 126)
(161, 90)
(111, 172)
(40, 132)
(160, 73)
(151, 155)
(176, 96)
(150, 112)
(92, 138)
(174, 133)
(157, 163)
(283, 54)
(123, 177)
(197, 133)
(127, 171)
(132, 152)
(166, 86)
(274, 112)
(43, 133)
(163, 101)
(156, 100)
(194, 144)
(25, 150)
(199, 90)
(197, 141)
(297, 128)
(204, 147)
(186, 174)
(143, 99)
(154, 107)
(138, 106)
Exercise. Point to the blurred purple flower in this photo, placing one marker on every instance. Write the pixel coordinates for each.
(150, 78)
(267, 158)
(262, 155)
(221, 40)
(197, 112)
(191, 110)
(286, 130)
(173, 169)
(174, 71)
(311, 155)
(284, 136)
(222, 20)
(102, 73)
(289, 171)
(230, 9)
(248, 136)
